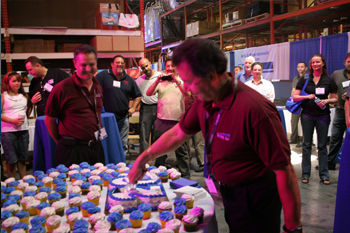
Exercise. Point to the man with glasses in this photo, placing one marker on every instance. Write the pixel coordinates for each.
(118, 89)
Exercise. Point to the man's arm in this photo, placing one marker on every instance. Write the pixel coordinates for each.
(347, 112)
(288, 189)
(153, 88)
(134, 105)
(52, 127)
(168, 142)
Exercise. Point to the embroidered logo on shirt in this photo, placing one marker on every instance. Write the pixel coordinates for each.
(223, 136)
(126, 82)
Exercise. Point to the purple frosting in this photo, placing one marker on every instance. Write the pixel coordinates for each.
(153, 227)
(166, 216)
(180, 209)
(123, 224)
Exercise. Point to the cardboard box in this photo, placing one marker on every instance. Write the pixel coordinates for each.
(34, 46)
(108, 7)
(69, 47)
(102, 43)
(49, 46)
(106, 16)
(213, 26)
(199, 24)
(136, 43)
(200, 28)
(239, 14)
(19, 46)
(120, 43)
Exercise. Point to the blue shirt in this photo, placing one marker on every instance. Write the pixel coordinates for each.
(242, 76)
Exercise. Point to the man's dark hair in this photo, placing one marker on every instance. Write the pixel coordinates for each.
(34, 60)
(113, 59)
(168, 59)
(239, 67)
(257, 63)
(347, 55)
(84, 49)
(202, 55)
(303, 63)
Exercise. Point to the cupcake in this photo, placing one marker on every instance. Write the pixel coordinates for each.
(85, 170)
(25, 178)
(9, 190)
(38, 220)
(175, 175)
(81, 223)
(3, 187)
(55, 181)
(189, 200)
(52, 197)
(47, 182)
(102, 225)
(75, 201)
(31, 188)
(5, 214)
(106, 178)
(165, 230)
(72, 218)
(180, 211)
(63, 170)
(62, 176)
(93, 210)
(87, 175)
(62, 190)
(59, 207)
(174, 225)
(15, 197)
(113, 218)
(9, 202)
(37, 229)
(52, 223)
(23, 216)
(95, 172)
(122, 224)
(102, 169)
(54, 174)
(9, 180)
(14, 208)
(153, 227)
(179, 201)
(72, 195)
(199, 212)
(39, 184)
(85, 188)
(164, 206)
(21, 225)
(13, 184)
(42, 206)
(92, 168)
(94, 197)
(164, 217)
(8, 223)
(115, 174)
(163, 175)
(37, 174)
(190, 222)
(94, 188)
(22, 186)
(94, 218)
(25, 200)
(74, 189)
(136, 217)
(84, 206)
(117, 208)
(45, 190)
(63, 228)
(77, 183)
(109, 171)
(47, 212)
(75, 176)
(98, 165)
(3, 198)
(29, 193)
(42, 197)
(72, 211)
(146, 208)
(98, 183)
(41, 177)
(50, 170)
(70, 173)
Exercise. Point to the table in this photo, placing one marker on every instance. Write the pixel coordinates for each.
(342, 210)
(44, 145)
(280, 111)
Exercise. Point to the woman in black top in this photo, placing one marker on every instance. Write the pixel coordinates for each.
(322, 86)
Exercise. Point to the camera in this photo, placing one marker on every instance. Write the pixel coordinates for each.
(167, 78)
(163, 54)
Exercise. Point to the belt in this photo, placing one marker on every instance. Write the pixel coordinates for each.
(245, 183)
(72, 141)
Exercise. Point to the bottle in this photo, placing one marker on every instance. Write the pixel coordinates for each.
(318, 100)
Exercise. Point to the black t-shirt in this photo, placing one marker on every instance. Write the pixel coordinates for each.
(309, 106)
(53, 76)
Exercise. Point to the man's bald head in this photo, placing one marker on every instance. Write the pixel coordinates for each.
(146, 67)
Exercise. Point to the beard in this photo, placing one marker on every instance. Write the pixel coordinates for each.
(347, 69)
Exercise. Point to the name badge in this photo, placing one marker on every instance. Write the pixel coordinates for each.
(50, 81)
(116, 84)
(48, 87)
(100, 134)
(211, 186)
(320, 91)
(346, 83)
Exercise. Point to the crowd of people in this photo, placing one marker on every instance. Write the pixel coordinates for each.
(246, 150)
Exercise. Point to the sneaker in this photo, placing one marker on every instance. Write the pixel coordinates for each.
(299, 145)
(199, 168)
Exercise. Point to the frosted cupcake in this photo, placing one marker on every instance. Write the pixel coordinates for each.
(75, 201)
(70, 173)
(42, 206)
(50, 170)
(22, 186)
(113, 218)
(59, 207)
(62, 176)
(23, 216)
(163, 175)
(3, 198)
(14, 208)
(153, 227)
(164, 206)
(94, 218)
(174, 225)
(15, 198)
(165, 230)
(189, 200)
(121, 164)
(135, 218)
(117, 208)
(95, 172)
(146, 208)
(170, 170)
(93, 210)
(8, 223)
(94, 197)
(71, 167)
(122, 224)
(106, 178)
(20, 227)
(85, 188)
(52, 197)
(53, 222)
(63, 228)
(102, 169)
(9, 202)
(77, 183)
(31, 188)
(74, 189)
(45, 190)
(62, 190)
(84, 206)
(39, 185)
(13, 184)
(72, 211)
(175, 175)
(31, 181)
(98, 165)
(81, 223)
(199, 212)
(54, 175)
(72, 218)
(47, 182)
(25, 178)
(164, 217)
(96, 177)
(9, 180)
(38, 220)
(190, 222)
(179, 201)
(42, 197)
(37, 229)
(25, 200)
(94, 188)
(123, 169)
(5, 214)
(180, 211)
(55, 181)
(47, 212)
(98, 183)
(102, 225)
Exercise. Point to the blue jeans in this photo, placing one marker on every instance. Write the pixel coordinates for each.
(308, 124)
(338, 129)
(123, 126)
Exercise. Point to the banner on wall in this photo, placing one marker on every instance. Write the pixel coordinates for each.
(275, 60)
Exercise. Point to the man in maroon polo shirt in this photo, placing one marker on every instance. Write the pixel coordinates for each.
(247, 150)
(77, 103)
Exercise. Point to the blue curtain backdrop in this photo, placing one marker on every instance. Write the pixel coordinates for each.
(334, 49)
(302, 51)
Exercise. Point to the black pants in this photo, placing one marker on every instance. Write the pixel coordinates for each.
(68, 155)
(253, 207)
(294, 123)
(148, 115)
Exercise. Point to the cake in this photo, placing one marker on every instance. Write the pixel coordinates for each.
(129, 202)
(136, 217)
(164, 217)
(190, 222)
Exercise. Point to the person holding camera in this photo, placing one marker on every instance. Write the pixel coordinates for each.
(171, 106)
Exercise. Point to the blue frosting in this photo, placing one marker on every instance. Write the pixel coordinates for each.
(42, 205)
(92, 168)
(50, 170)
(85, 185)
(107, 177)
(83, 178)
(37, 229)
(87, 204)
(180, 201)
(57, 180)
(15, 197)
(123, 224)
(80, 223)
(76, 175)
(101, 174)
(60, 166)
(144, 207)
(54, 196)
(77, 169)
(163, 173)
(38, 173)
(63, 170)
(60, 189)
(3, 196)
(130, 165)
(20, 225)
(81, 230)
(115, 174)
(111, 166)
(42, 176)
(62, 176)
(94, 210)
(13, 183)
(73, 195)
(3, 187)
(97, 182)
(180, 209)
(166, 216)
(30, 181)
(72, 210)
(22, 214)
(84, 165)
(29, 193)
(114, 217)
(9, 202)
(39, 184)
(5, 214)
(9, 190)
(37, 220)
(151, 168)
(45, 189)
(61, 183)
(144, 231)
(87, 174)
(136, 215)
(153, 227)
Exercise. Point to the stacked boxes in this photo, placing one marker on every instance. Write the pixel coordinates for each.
(201, 28)
(239, 14)
(118, 43)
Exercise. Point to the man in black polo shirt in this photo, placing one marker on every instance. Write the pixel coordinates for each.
(118, 89)
(43, 82)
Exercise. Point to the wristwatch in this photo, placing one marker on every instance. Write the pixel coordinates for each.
(179, 83)
(294, 230)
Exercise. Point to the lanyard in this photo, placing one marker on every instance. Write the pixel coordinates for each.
(209, 138)
(92, 107)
